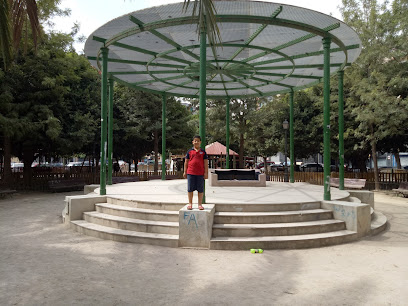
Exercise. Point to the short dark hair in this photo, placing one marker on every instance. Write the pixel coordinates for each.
(197, 136)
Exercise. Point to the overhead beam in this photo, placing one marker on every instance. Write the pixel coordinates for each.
(308, 54)
(254, 35)
(293, 42)
(163, 37)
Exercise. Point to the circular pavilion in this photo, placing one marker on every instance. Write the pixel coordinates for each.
(265, 49)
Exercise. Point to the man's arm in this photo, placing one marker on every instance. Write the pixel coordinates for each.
(205, 169)
(185, 168)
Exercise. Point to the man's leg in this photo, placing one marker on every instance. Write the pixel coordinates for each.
(200, 198)
(190, 198)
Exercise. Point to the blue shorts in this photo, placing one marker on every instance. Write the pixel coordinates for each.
(195, 182)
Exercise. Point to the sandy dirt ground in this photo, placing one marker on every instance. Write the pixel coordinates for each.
(45, 263)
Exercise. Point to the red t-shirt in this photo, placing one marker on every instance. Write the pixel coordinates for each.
(196, 161)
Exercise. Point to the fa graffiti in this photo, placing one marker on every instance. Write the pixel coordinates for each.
(191, 218)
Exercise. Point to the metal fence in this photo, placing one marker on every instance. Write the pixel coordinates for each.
(39, 179)
(387, 180)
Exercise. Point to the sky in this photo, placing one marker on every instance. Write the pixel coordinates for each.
(92, 14)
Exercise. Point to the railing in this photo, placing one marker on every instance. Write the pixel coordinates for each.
(39, 179)
(387, 180)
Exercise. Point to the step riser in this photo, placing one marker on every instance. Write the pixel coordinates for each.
(136, 204)
(271, 245)
(280, 231)
(138, 215)
(265, 207)
(272, 219)
(133, 227)
(124, 238)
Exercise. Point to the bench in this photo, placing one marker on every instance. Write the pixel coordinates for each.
(6, 192)
(237, 177)
(124, 179)
(66, 184)
(349, 183)
(403, 189)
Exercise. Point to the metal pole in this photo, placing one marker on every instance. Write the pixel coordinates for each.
(227, 140)
(203, 84)
(163, 176)
(286, 156)
(326, 118)
(110, 131)
(341, 130)
(292, 141)
(104, 107)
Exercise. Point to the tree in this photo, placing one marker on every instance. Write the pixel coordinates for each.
(53, 102)
(137, 118)
(378, 95)
(265, 131)
(241, 111)
(13, 15)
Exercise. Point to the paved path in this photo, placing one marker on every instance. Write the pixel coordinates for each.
(44, 263)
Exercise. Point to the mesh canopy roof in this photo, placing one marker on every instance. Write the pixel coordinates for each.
(267, 48)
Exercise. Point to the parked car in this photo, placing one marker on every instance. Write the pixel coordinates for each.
(74, 164)
(262, 164)
(311, 167)
(17, 167)
(277, 167)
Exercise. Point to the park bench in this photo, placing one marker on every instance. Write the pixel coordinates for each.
(349, 183)
(403, 189)
(66, 184)
(6, 192)
(124, 179)
(237, 177)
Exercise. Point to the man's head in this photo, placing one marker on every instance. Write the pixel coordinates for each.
(196, 141)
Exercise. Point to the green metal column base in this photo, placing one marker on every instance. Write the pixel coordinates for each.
(203, 89)
(227, 133)
(104, 108)
(326, 118)
(341, 130)
(110, 131)
(292, 141)
(163, 176)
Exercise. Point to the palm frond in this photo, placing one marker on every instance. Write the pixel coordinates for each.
(205, 10)
(5, 32)
(21, 9)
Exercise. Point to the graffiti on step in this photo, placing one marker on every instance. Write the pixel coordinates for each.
(344, 213)
(191, 218)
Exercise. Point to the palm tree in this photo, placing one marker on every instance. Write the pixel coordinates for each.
(206, 19)
(13, 17)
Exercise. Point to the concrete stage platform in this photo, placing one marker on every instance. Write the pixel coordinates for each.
(175, 191)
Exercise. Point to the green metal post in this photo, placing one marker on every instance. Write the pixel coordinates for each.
(110, 132)
(203, 84)
(163, 176)
(227, 140)
(341, 130)
(292, 141)
(326, 118)
(104, 107)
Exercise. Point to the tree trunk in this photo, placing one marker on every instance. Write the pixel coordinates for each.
(156, 151)
(397, 159)
(28, 155)
(266, 170)
(241, 151)
(7, 179)
(374, 155)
